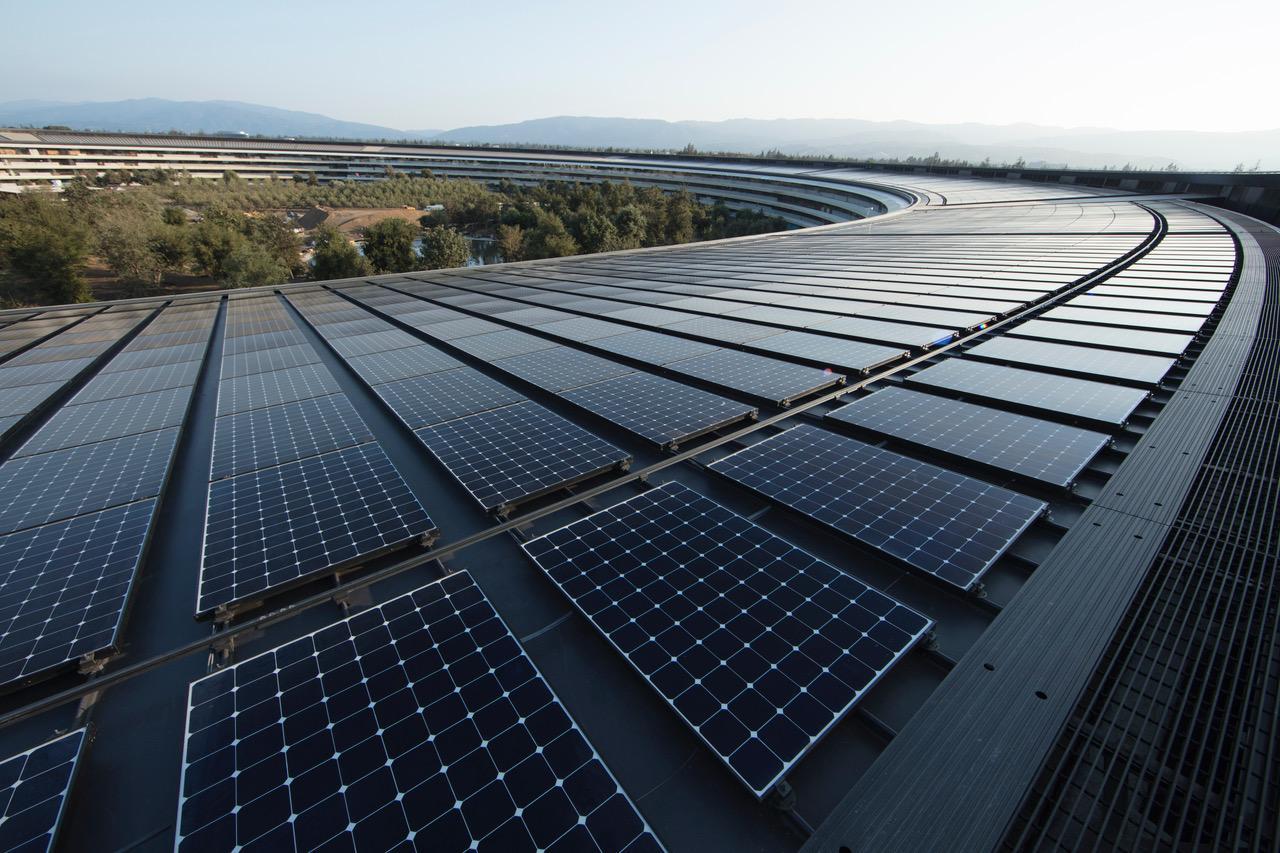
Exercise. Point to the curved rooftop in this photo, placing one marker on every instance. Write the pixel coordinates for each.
(943, 521)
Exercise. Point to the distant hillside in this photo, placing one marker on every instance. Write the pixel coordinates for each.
(851, 138)
(158, 116)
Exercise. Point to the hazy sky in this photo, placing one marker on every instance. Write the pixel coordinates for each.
(416, 64)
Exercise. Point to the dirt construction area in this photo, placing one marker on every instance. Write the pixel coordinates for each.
(349, 220)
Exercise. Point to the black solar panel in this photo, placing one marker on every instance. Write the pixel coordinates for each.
(823, 349)
(258, 390)
(236, 344)
(883, 331)
(273, 527)
(266, 360)
(64, 586)
(1163, 343)
(504, 344)
(425, 400)
(261, 438)
(402, 363)
(24, 398)
(75, 425)
(760, 376)
(562, 368)
(32, 374)
(420, 722)
(517, 452)
(34, 786)
(1092, 361)
(53, 486)
(582, 328)
(946, 524)
(355, 345)
(142, 381)
(153, 357)
(1034, 448)
(663, 411)
(1082, 398)
(653, 347)
(760, 647)
(720, 329)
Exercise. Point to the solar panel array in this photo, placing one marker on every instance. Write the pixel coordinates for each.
(34, 786)
(758, 646)
(79, 500)
(1042, 450)
(418, 722)
(935, 520)
(298, 484)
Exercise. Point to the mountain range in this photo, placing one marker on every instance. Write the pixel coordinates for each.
(847, 138)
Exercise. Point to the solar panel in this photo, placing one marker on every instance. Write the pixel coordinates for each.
(883, 331)
(32, 374)
(1163, 343)
(720, 329)
(264, 360)
(582, 328)
(24, 398)
(1133, 303)
(107, 419)
(425, 400)
(53, 486)
(241, 343)
(64, 586)
(518, 452)
(770, 379)
(258, 390)
(946, 524)
(502, 344)
(562, 368)
(417, 722)
(653, 347)
(758, 646)
(1130, 319)
(34, 786)
(260, 438)
(152, 357)
(372, 342)
(402, 363)
(658, 409)
(1081, 398)
(271, 528)
(1091, 361)
(1042, 450)
(142, 381)
(823, 349)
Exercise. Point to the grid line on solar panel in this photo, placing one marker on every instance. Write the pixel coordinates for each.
(1091, 361)
(437, 397)
(1162, 343)
(258, 390)
(402, 364)
(34, 786)
(943, 523)
(561, 368)
(758, 375)
(1082, 398)
(517, 452)
(64, 587)
(1034, 448)
(272, 528)
(758, 646)
(65, 483)
(419, 722)
(658, 409)
(262, 438)
(73, 426)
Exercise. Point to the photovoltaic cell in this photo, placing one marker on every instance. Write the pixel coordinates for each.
(417, 723)
(1082, 398)
(33, 792)
(760, 376)
(65, 483)
(425, 400)
(260, 438)
(1042, 450)
(258, 390)
(562, 368)
(758, 646)
(940, 522)
(518, 452)
(107, 419)
(658, 409)
(64, 586)
(273, 527)
(1092, 361)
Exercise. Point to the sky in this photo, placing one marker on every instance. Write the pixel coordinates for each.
(422, 64)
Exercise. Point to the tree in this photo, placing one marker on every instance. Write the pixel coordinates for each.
(45, 247)
(443, 248)
(211, 244)
(388, 246)
(550, 239)
(511, 242)
(680, 218)
(631, 224)
(596, 233)
(174, 216)
(335, 256)
(127, 251)
(251, 265)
